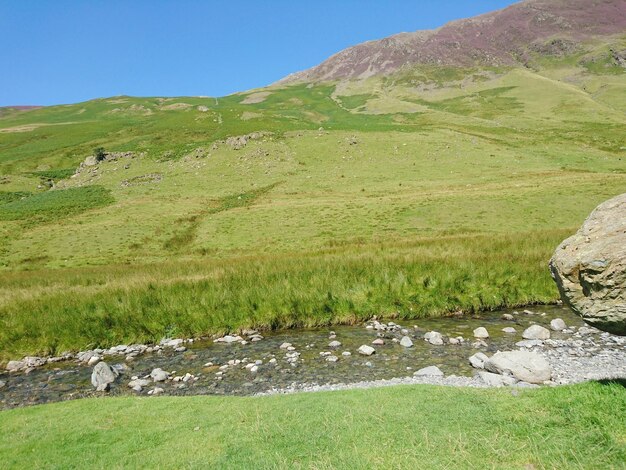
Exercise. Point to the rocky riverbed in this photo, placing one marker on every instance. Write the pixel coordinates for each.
(548, 345)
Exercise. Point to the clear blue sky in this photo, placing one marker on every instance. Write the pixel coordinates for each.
(61, 51)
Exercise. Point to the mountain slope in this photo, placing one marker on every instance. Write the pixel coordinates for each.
(507, 37)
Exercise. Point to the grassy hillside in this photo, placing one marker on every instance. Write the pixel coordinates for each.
(578, 427)
(430, 191)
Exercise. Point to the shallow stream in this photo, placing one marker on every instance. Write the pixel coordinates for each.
(71, 379)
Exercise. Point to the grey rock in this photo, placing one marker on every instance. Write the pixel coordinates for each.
(432, 371)
(508, 317)
(558, 324)
(103, 375)
(14, 366)
(536, 332)
(523, 365)
(334, 344)
(159, 375)
(434, 337)
(366, 350)
(478, 360)
(481, 332)
(496, 380)
(285, 345)
(138, 384)
(332, 358)
(509, 330)
(406, 342)
(378, 342)
(590, 268)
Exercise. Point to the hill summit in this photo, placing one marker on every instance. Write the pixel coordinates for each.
(508, 37)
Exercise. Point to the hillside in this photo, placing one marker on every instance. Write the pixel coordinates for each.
(515, 36)
(419, 191)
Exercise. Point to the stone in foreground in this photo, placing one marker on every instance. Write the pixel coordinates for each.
(102, 376)
(590, 268)
(406, 342)
(523, 365)
(536, 332)
(430, 371)
(366, 350)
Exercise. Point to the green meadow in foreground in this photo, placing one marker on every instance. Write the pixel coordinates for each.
(574, 427)
(355, 199)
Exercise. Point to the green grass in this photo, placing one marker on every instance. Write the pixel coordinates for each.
(410, 202)
(53, 205)
(50, 312)
(577, 427)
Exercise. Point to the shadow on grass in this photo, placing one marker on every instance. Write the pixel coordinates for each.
(615, 381)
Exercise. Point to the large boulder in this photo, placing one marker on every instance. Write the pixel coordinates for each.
(523, 365)
(590, 268)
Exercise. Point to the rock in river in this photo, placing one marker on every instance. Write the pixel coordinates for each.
(590, 268)
(536, 332)
(523, 365)
(103, 375)
(481, 332)
(434, 337)
(159, 375)
(558, 324)
(406, 342)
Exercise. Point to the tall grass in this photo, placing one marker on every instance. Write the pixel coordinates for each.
(48, 312)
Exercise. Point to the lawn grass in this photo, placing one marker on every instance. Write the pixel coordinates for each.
(578, 427)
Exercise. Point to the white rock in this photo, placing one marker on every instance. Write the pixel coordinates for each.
(558, 324)
(434, 337)
(523, 365)
(346, 353)
(496, 380)
(478, 360)
(334, 344)
(93, 360)
(366, 350)
(432, 371)
(406, 342)
(481, 332)
(332, 359)
(159, 375)
(509, 329)
(285, 345)
(529, 343)
(536, 332)
(378, 342)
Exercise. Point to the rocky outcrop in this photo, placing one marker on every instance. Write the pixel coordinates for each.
(590, 268)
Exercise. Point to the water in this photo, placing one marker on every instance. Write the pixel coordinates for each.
(69, 380)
